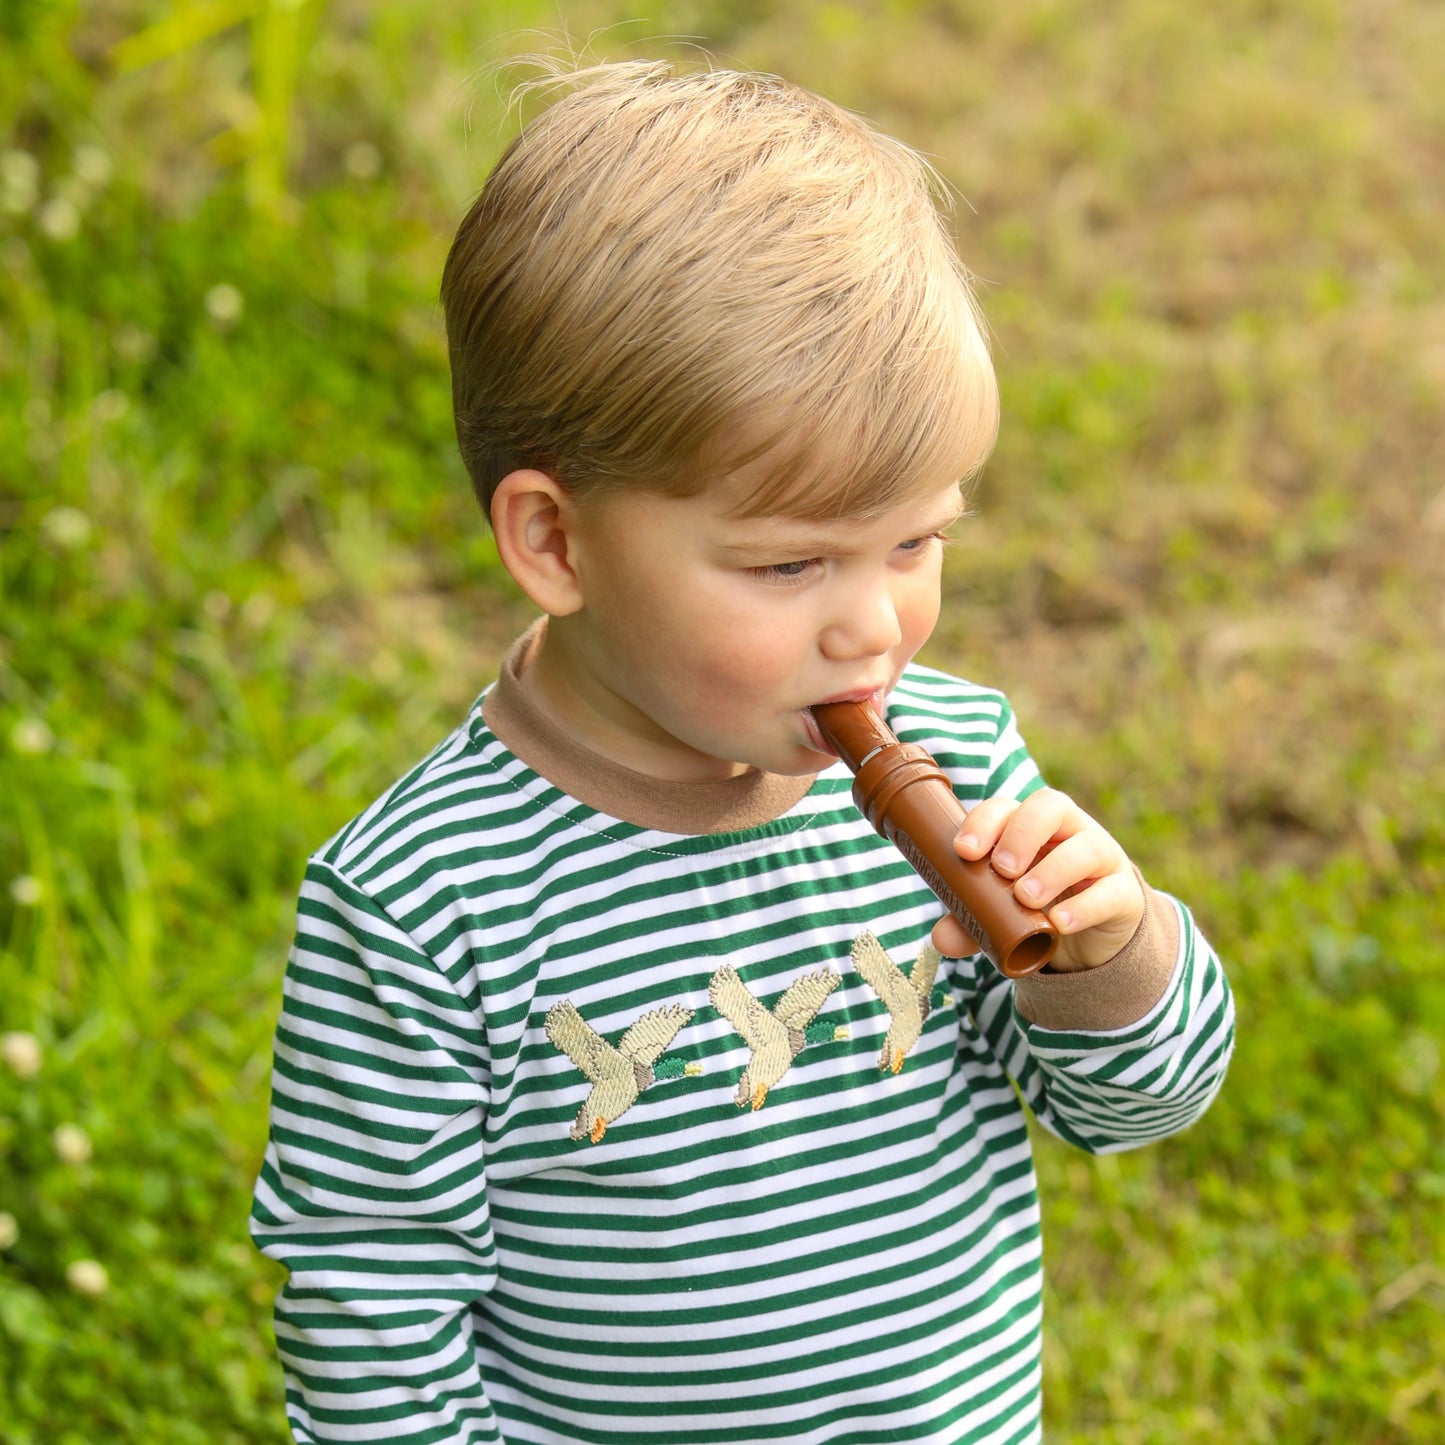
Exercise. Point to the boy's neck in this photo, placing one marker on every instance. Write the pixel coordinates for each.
(602, 721)
(549, 746)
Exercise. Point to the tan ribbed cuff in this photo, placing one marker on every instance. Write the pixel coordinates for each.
(1115, 994)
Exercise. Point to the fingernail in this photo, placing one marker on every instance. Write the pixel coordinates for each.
(1030, 888)
(1062, 918)
(968, 840)
(1006, 862)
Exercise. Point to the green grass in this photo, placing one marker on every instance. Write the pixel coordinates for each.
(242, 585)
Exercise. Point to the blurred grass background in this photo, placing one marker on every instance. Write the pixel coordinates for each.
(242, 585)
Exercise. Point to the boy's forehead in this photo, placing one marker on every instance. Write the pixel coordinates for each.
(803, 482)
(930, 509)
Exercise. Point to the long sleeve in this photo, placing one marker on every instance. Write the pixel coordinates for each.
(1120, 1056)
(1106, 1089)
(373, 1191)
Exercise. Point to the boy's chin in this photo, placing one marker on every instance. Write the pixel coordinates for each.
(816, 763)
(804, 761)
(788, 757)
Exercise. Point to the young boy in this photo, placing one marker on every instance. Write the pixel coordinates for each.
(619, 1094)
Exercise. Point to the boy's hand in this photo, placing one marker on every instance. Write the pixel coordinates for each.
(1064, 863)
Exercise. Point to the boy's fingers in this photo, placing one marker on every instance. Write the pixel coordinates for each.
(1111, 906)
(950, 939)
(981, 828)
(1087, 855)
(1042, 819)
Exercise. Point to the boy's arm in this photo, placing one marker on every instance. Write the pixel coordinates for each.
(1126, 1038)
(1093, 1074)
(1118, 992)
(373, 1190)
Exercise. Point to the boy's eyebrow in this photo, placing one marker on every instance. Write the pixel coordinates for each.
(956, 513)
(823, 544)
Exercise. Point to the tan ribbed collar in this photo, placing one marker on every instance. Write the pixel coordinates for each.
(728, 805)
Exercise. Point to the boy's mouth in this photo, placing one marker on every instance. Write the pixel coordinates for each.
(816, 741)
(814, 736)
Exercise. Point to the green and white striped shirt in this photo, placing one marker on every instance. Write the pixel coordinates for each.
(580, 1134)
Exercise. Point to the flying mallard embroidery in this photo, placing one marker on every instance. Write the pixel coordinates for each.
(618, 1074)
(777, 1035)
(907, 998)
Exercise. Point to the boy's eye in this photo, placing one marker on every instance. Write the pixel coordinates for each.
(784, 572)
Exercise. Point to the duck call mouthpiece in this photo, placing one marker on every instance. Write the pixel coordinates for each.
(908, 798)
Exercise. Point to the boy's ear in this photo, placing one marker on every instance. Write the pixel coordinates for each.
(535, 520)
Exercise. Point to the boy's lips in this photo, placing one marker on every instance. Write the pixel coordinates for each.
(816, 740)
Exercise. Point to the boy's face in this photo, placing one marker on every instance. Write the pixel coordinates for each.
(703, 637)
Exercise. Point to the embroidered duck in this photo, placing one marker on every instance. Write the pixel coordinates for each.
(618, 1074)
(907, 998)
(776, 1036)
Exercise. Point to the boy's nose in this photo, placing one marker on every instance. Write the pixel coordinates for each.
(866, 625)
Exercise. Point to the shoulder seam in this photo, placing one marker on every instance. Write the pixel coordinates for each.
(339, 872)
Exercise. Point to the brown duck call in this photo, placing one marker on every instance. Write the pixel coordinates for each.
(908, 798)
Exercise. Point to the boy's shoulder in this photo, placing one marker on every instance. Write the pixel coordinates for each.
(969, 729)
(459, 775)
(928, 703)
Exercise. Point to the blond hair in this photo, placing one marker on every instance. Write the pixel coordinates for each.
(669, 274)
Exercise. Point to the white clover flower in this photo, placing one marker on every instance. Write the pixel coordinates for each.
(32, 737)
(67, 527)
(224, 304)
(21, 1054)
(87, 1277)
(257, 610)
(109, 405)
(93, 165)
(59, 218)
(9, 1230)
(1417, 1061)
(19, 182)
(134, 344)
(72, 1144)
(216, 605)
(27, 890)
(362, 161)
